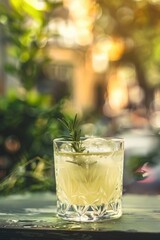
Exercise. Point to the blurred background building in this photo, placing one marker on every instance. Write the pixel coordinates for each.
(101, 58)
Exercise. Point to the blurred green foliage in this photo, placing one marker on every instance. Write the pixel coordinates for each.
(28, 121)
(28, 127)
(25, 32)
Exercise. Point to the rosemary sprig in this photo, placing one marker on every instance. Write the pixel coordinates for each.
(74, 133)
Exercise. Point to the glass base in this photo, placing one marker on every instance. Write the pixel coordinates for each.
(87, 213)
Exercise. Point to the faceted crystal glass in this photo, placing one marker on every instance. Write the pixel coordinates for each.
(89, 183)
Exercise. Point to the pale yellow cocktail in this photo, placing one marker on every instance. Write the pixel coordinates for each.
(89, 184)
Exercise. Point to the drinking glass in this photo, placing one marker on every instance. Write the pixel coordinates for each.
(89, 183)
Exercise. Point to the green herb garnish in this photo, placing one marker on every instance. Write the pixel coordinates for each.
(73, 133)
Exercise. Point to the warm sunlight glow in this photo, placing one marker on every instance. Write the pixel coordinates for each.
(105, 50)
(100, 56)
(99, 62)
(116, 48)
(117, 93)
(83, 14)
(84, 37)
(37, 4)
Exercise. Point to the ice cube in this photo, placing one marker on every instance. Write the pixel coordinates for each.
(94, 144)
(66, 147)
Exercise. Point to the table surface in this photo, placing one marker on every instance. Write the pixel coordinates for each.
(33, 216)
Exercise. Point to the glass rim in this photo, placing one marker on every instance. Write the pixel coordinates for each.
(114, 139)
